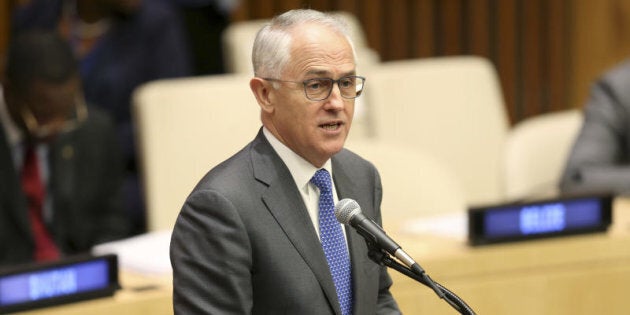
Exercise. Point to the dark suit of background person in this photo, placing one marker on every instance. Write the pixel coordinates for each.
(599, 161)
(84, 166)
(244, 242)
(205, 21)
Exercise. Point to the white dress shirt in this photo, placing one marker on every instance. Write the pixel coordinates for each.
(302, 172)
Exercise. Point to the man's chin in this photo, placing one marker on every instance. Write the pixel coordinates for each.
(335, 148)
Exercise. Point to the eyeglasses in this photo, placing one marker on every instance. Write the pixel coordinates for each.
(319, 89)
(43, 131)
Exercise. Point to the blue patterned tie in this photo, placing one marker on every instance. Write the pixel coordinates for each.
(333, 242)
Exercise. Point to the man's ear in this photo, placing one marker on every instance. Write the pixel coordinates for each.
(262, 90)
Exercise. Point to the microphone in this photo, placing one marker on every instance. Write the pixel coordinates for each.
(349, 212)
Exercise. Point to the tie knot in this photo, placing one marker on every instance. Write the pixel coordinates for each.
(321, 179)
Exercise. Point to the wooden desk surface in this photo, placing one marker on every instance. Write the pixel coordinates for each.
(586, 274)
(139, 295)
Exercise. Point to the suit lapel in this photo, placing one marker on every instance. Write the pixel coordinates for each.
(357, 246)
(11, 196)
(284, 202)
(62, 161)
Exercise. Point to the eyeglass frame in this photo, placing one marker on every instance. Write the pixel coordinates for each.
(39, 131)
(332, 81)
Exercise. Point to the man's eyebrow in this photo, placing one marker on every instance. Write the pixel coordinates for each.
(318, 72)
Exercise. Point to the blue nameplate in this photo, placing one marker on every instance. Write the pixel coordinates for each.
(68, 280)
(524, 221)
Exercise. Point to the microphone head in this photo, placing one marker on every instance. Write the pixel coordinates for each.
(346, 209)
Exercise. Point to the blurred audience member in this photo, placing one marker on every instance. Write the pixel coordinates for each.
(121, 44)
(600, 159)
(60, 161)
(205, 22)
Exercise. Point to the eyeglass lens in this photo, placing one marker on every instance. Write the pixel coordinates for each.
(320, 88)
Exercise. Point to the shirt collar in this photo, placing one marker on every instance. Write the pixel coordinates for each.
(13, 133)
(301, 170)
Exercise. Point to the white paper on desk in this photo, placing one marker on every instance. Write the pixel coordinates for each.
(452, 225)
(146, 254)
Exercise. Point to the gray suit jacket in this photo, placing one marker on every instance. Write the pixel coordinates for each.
(600, 159)
(245, 244)
(85, 181)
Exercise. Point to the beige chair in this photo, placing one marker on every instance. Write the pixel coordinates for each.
(535, 154)
(184, 128)
(415, 184)
(450, 107)
(238, 40)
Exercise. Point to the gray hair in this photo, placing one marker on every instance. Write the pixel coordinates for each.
(272, 46)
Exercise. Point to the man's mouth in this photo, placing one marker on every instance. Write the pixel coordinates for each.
(331, 126)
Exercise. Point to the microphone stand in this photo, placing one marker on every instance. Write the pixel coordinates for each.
(381, 257)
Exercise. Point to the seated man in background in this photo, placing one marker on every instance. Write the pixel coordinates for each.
(120, 44)
(600, 159)
(60, 162)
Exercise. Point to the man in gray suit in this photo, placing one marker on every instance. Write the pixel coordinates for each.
(600, 159)
(74, 154)
(248, 239)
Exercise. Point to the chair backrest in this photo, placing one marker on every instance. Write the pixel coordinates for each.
(450, 107)
(536, 152)
(184, 128)
(238, 40)
(415, 183)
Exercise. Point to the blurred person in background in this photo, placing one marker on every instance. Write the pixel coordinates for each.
(120, 44)
(60, 161)
(599, 162)
(205, 21)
